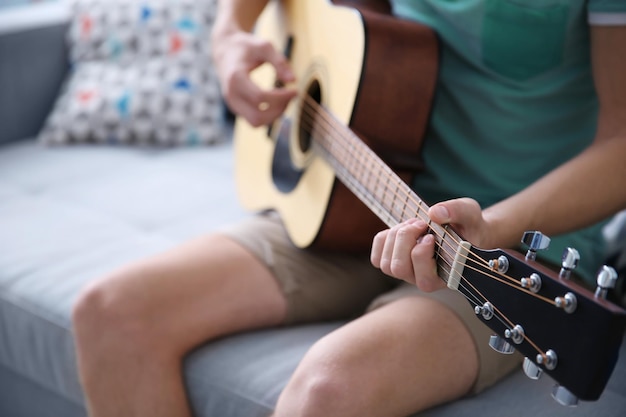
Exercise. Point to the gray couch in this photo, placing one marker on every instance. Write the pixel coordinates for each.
(68, 215)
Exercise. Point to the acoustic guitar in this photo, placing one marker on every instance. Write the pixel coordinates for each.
(335, 167)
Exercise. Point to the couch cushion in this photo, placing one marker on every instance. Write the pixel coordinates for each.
(69, 215)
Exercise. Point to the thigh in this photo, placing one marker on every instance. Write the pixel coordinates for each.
(408, 355)
(492, 365)
(317, 285)
(200, 290)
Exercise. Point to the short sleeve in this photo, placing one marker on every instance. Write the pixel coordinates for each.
(607, 12)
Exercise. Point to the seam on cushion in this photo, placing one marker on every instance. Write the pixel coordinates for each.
(33, 313)
(41, 385)
(32, 310)
(229, 392)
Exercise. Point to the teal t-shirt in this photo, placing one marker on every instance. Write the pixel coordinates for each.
(515, 99)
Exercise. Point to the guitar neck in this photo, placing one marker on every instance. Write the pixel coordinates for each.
(368, 177)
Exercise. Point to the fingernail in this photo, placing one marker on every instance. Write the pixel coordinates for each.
(428, 239)
(416, 221)
(442, 213)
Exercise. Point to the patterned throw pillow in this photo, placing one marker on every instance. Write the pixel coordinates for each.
(141, 74)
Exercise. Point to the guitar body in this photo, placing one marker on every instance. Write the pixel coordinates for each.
(376, 74)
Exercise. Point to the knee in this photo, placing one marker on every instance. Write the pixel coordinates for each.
(311, 393)
(104, 315)
(321, 386)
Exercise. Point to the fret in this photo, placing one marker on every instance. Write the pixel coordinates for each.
(405, 204)
(384, 192)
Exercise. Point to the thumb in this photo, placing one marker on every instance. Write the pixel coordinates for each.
(460, 211)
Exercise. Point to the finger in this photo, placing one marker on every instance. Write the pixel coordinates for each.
(387, 251)
(378, 244)
(465, 216)
(439, 213)
(257, 106)
(377, 247)
(457, 211)
(424, 265)
(268, 108)
(265, 52)
(407, 236)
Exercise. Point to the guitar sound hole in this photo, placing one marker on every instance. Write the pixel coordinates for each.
(309, 116)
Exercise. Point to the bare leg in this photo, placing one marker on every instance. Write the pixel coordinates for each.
(406, 356)
(134, 327)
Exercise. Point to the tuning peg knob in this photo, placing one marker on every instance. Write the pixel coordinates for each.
(500, 345)
(501, 264)
(569, 262)
(564, 396)
(535, 241)
(606, 279)
(531, 370)
(549, 359)
(516, 334)
(533, 282)
(486, 310)
(568, 302)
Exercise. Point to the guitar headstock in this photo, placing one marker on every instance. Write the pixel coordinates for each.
(562, 328)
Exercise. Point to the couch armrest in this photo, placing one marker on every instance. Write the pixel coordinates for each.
(33, 64)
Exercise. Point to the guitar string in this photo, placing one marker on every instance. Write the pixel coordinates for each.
(311, 112)
(341, 170)
(442, 258)
(419, 207)
(511, 324)
(376, 202)
(470, 294)
(443, 241)
(386, 189)
(389, 174)
(512, 282)
(327, 117)
(473, 298)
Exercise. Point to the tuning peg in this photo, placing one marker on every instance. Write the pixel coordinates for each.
(569, 262)
(533, 282)
(501, 264)
(549, 359)
(535, 241)
(531, 370)
(516, 334)
(564, 397)
(606, 279)
(568, 302)
(486, 310)
(500, 345)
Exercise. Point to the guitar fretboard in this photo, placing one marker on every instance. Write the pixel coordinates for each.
(373, 181)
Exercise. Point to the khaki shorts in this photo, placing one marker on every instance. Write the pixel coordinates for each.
(322, 286)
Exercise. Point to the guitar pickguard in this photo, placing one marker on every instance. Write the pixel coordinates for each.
(285, 175)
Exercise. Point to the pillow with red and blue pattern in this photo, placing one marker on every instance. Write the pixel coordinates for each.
(140, 74)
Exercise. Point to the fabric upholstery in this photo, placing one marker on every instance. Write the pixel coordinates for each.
(62, 228)
(30, 79)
